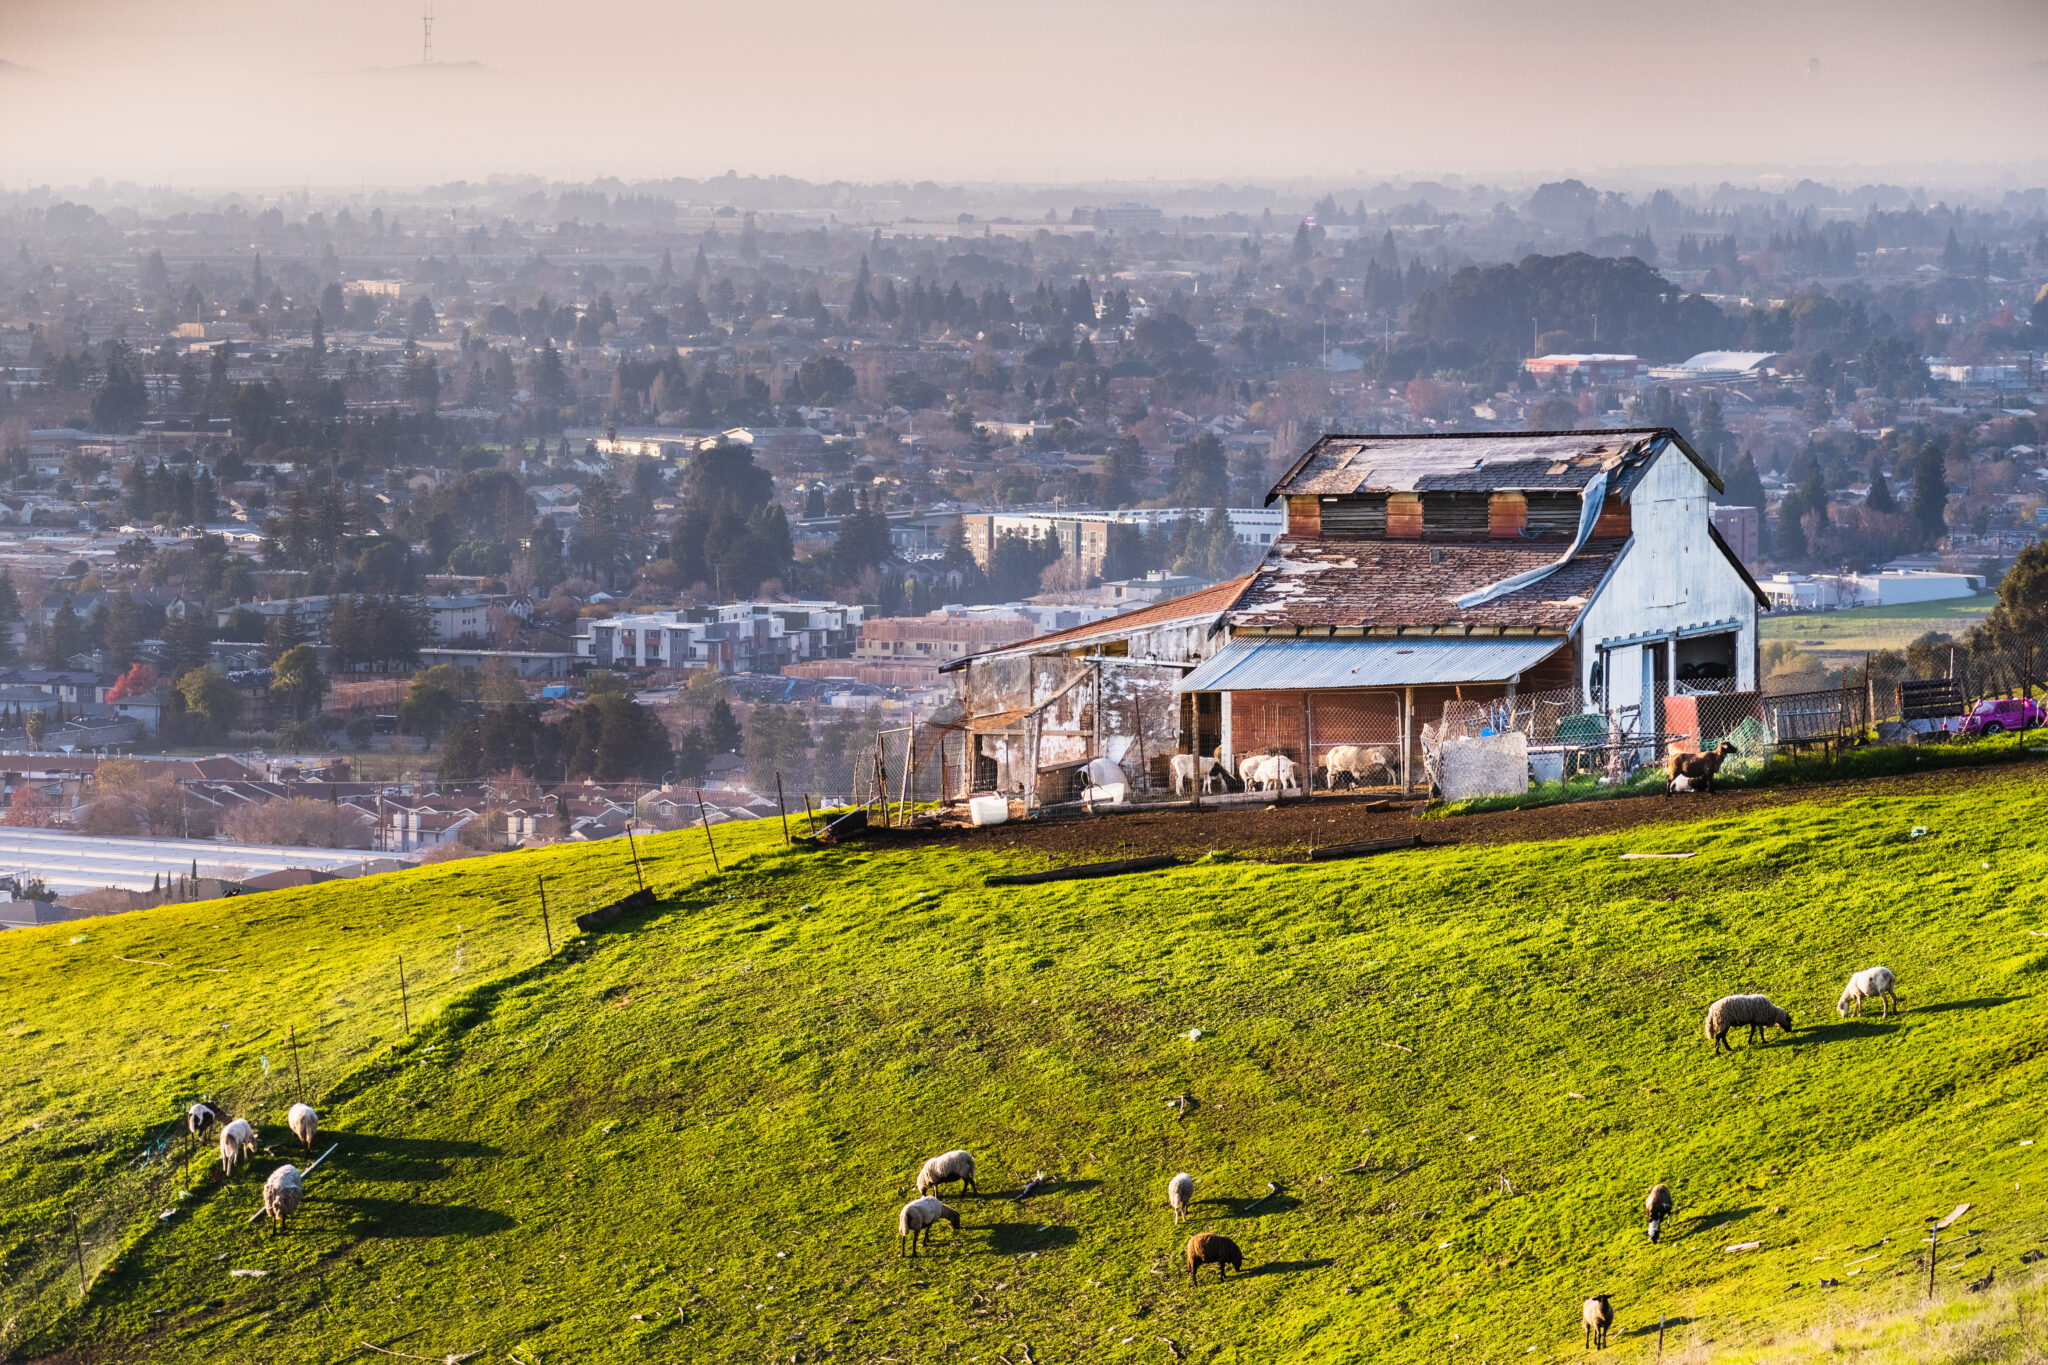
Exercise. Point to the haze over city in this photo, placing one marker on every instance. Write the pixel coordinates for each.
(223, 91)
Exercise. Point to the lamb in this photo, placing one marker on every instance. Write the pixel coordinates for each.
(945, 1168)
(1180, 1191)
(1212, 1248)
(237, 1140)
(1352, 762)
(1658, 1207)
(1103, 772)
(1756, 1012)
(1598, 1315)
(304, 1123)
(916, 1219)
(1871, 983)
(282, 1192)
(200, 1117)
(1190, 769)
(1697, 769)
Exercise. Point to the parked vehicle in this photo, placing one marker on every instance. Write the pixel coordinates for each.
(1996, 715)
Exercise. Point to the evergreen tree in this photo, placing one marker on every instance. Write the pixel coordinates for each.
(10, 619)
(1930, 493)
(65, 638)
(722, 727)
(1880, 498)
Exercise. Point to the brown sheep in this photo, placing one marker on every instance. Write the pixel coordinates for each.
(1213, 1248)
(1598, 1315)
(1697, 769)
(1658, 1207)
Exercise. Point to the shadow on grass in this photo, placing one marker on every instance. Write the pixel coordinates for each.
(1650, 1329)
(1010, 1239)
(402, 1218)
(1711, 1221)
(1290, 1267)
(1981, 1002)
(1847, 1031)
(380, 1157)
(1258, 1206)
(1051, 1187)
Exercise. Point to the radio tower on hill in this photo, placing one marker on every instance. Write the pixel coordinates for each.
(427, 35)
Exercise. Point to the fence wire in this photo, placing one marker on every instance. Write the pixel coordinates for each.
(86, 1188)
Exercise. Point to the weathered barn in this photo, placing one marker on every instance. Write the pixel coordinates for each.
(1418, 570)
(1415, 571)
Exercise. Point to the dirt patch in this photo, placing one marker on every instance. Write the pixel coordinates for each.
(1286, 832)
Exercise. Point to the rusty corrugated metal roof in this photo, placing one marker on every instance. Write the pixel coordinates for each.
(1341, 466)
(1288, 665)
(1416, 584)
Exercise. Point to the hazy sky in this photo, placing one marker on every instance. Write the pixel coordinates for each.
(327, 92)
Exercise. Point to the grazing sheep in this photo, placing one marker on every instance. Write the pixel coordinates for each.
(916, 1218)
(1658, 1207)
(945, 1168)
(237, 1140)
(1264, 772)
(1756, 1012)
(200, 1117)
(1598, 1315)
(1190, 769)
(304, 1123)
(1179, 1192)
(282, 1192)
(1352, 762)
(1212, 1248)
(1697, 769)
(1872, 983)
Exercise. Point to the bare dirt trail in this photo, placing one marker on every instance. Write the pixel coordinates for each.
(1287, 831)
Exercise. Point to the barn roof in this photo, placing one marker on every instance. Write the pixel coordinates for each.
(1479, 462)
(1406, 584)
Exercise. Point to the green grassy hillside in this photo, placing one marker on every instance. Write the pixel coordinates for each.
(1861, 629)
(684, 1137)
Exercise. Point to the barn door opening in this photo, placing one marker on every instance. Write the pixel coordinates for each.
(1355, 740)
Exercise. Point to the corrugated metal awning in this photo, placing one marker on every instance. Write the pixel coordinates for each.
(1245, 665)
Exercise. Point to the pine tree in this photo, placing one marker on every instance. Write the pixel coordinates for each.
(1880, 498)
(10, 619)
(1930, 493)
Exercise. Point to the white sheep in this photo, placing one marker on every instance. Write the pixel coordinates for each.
(304, 1123)
(200, 1117)
(237, 1140)
(1872, 983)
(1264, 772)
(282, 1192)
(945, 1168)
(1180, 1191)
(917, 1218)
(1353, 762)
(1755, 1012)
(1190, 768)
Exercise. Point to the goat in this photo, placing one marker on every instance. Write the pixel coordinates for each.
(917, 1218)
(1179, 1191)
(304, 1123)
(1756, 1012)
(282, 1192)
(1697, 769)
(1353, 761)
(1658, 1207)
(1192, 769)
(944, 1169)
(237, 1140)
(1598, 1315)
(1213, 1248)
(1872, 983)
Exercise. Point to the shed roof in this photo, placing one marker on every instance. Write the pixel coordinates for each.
(1206, 603)
(1246, 665)
(1417, 584)
(1479, 462)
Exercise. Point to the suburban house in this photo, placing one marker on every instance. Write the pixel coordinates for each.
(1414, 571)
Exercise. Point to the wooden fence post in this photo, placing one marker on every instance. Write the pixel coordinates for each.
(542, 883)
(781, 809)
(705, 816)
(404, 1004)
(634, 849)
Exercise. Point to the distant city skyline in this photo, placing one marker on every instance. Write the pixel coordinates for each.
(315, 92)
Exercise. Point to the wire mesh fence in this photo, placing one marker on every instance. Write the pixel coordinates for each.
(91, 1180)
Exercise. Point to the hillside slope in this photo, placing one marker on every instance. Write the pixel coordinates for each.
(684, 1137)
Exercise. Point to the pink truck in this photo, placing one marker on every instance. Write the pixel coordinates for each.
(1996, 715)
